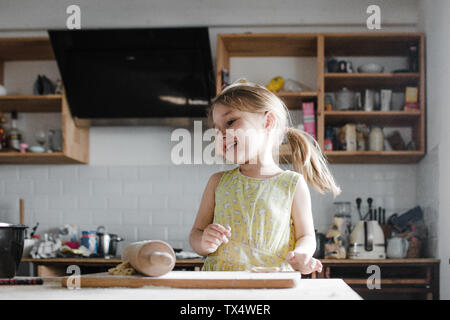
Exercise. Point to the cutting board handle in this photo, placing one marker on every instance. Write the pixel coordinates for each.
(161, 258)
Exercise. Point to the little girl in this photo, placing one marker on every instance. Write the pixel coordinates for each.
(257, 215)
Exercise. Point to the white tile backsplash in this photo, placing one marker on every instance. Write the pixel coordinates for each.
(161, 202)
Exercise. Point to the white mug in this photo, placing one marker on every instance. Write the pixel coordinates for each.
(397, 248)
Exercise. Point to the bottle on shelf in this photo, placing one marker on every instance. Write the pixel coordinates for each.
(2, 133)
(14, 136)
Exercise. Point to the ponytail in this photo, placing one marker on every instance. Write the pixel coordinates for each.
(307, 159)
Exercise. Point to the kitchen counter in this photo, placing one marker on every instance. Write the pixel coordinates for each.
(307, 289)
(54, 267)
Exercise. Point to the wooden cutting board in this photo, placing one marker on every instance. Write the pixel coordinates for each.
(192, 279)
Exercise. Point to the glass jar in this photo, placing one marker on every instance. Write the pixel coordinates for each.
(376, 139)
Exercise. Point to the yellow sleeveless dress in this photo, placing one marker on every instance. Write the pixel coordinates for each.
(259, 214)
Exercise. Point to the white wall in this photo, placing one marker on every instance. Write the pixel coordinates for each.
(45, 14)
(434, 21)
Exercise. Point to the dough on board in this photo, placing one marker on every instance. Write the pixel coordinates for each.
(124, 269)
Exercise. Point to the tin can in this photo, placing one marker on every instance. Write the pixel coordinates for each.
(89, 240)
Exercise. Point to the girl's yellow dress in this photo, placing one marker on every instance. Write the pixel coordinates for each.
(259, 214)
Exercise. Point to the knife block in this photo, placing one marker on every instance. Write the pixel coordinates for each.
(151, 257)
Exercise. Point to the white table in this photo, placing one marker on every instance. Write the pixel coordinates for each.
(307, 289)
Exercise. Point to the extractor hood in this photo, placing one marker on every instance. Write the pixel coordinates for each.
(135, 76)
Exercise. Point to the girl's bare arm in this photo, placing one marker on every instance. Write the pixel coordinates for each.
(205, 237)
(305, 241)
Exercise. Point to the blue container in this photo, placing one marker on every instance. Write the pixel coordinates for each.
(89, 240)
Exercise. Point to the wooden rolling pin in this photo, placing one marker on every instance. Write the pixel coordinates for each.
(22, 211)
(151, 257)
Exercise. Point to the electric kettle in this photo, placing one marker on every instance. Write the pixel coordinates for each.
(367, 241)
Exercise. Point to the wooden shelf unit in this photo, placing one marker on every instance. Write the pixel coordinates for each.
(75, 140)
(327, 45)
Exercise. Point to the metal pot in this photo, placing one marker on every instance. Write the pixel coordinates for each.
(107, 243)
(11, 248)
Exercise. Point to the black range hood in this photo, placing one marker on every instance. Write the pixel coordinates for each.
(135, 76)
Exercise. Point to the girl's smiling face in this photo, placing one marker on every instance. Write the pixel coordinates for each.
(240, 135)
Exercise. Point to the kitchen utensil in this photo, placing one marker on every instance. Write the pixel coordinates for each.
(22, 211)
(367, 241)
(397, 248)
(369, 213)
(107, 242)
(189, 279)
(152, 257)
(358, 206)
(11, 248)
(370, 68)
(345, 99)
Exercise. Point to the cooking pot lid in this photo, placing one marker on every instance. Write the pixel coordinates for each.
(8, 225)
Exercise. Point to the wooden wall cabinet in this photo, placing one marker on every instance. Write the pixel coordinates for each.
(75, 140)
(324, 46)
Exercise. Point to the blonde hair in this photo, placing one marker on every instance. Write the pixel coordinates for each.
(307, 158)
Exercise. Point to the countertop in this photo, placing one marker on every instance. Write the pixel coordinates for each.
(307, 289)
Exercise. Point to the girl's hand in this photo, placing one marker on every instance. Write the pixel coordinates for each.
(213, 236)
(303, 262)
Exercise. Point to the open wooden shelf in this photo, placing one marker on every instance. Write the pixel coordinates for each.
(31, 103)
(387, 118)
(374, 156)
(36, 158)
(363, 156)
(75, 140)
(361, 81)
(14, 49)
(369, 44)
(324, 46)
(293, 100)
(268, 44)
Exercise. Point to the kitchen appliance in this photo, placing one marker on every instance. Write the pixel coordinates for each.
(367, 241)
(107, 243)
(158, 76)
(11, 248)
